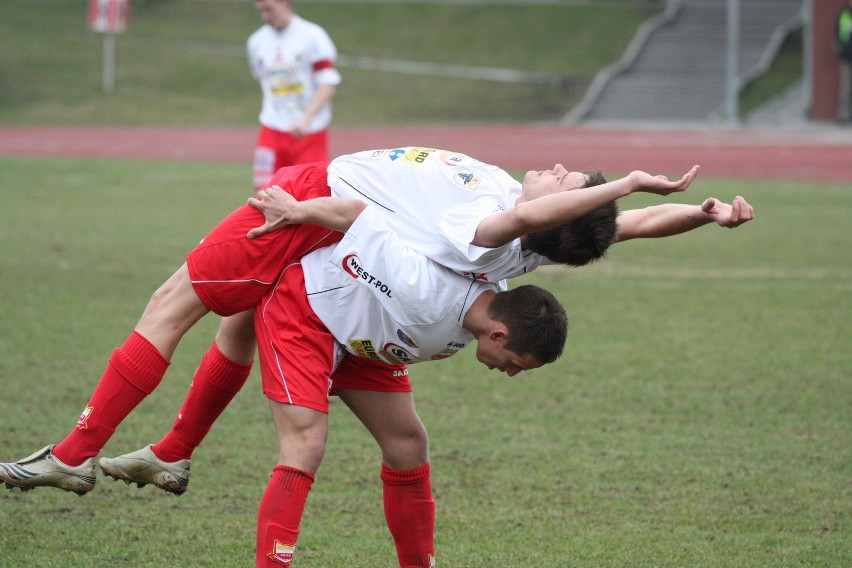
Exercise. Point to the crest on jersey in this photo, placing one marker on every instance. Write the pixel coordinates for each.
(467, 179)
(405, 339)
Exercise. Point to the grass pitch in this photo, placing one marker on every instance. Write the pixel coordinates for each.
(700, 416)
(185, 62)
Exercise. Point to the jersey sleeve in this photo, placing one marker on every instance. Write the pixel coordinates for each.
(325, 56)
(458, 228)
(250, 49)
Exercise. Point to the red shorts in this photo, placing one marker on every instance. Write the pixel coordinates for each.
(300, 361)
(231, 273)
(275, 150)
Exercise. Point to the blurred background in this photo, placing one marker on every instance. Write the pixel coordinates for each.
(507, 61)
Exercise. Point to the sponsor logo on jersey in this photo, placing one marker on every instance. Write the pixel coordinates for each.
(444, 354)
(284, 90)
(352, 266)
(364, 348)
(282, 553)
(476, 276)
(405, 339)
(418, 155)
(453, 160)
(399, 353)
(83, 421)
(467, 179)
(394, 154)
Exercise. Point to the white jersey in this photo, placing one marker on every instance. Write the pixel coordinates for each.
(434, 200)
(384, 301)
(290, 65)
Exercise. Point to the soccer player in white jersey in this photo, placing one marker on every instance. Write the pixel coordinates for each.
(388, 306)
(294, 62)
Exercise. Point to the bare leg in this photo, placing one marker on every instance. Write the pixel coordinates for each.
(391, 419)
(221, 374)
(302, 435)
(235, 337)
(407, 489)
(134, 370)
(171, 312)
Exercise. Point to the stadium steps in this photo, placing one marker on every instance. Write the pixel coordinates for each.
(675, 68)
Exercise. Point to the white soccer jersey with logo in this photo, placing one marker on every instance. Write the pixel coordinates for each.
(384, 301)
(290, 65)
(434, 200)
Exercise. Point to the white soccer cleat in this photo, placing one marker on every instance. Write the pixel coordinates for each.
(43, 469)
(142, 467)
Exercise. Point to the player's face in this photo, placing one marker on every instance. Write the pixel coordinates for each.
(494, 355)
(540, 183)
(276, 13)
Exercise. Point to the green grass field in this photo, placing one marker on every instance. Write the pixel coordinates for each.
(701, 416)
(185, 63)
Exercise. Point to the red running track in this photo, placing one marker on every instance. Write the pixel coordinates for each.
(820, 155)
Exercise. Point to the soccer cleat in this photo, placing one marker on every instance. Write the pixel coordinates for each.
(43, 469)
(143, 467)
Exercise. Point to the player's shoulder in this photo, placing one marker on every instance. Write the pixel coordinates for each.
(259, 35)
(308, 27)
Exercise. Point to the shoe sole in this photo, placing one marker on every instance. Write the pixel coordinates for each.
(80, 487)
(172, 485)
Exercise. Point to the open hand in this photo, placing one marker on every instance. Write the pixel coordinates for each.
(730, 216)
(661, 185)
(277, 206)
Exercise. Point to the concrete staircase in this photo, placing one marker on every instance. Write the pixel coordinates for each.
(675, 69)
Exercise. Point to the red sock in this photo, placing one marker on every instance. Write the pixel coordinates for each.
(133, 372)
(215, 384)
(280, 514)
(410, 514)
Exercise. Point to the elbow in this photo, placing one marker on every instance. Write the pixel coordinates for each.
(355, 209)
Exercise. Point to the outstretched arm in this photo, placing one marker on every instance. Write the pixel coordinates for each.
(281, 209)
(558, 208)
(673, 218)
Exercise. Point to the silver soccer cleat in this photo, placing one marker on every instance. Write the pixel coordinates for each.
(142, 467)
(43, 469)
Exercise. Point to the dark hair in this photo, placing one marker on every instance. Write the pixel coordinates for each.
(536, 320)
(583, 240)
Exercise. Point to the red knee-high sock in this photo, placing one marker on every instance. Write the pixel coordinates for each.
(410, 514)
(133, 372)
(215, 384)
(279, 516)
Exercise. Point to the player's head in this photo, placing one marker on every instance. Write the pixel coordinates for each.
(276, 13)
(583, 240)
(536, 330)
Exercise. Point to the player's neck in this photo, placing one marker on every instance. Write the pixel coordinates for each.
(476, 320)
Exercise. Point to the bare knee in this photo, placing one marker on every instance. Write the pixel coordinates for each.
(235, 337)
(302, 435)
(172, 310)
(406, 449)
